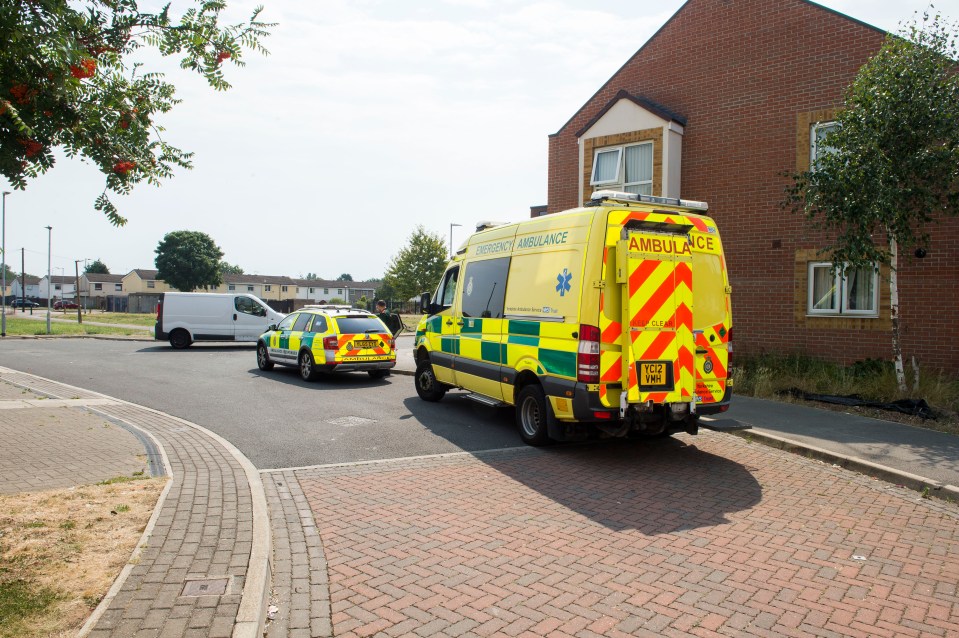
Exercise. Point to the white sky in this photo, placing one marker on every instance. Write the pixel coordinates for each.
(368, 118)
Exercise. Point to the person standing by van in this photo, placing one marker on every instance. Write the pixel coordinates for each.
(391, 320)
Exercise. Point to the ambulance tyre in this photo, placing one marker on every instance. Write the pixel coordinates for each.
(263, 358)
(532, 415)
(308, 371)
(427, 386)
(180, 339)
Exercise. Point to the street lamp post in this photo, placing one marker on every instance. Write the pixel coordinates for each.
(76, 296)
(3, 249)
(451, 238)
(49, 252)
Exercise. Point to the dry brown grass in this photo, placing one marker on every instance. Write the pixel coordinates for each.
(65, 548)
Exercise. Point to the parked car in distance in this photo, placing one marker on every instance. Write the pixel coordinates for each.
(320, 339)
(65, 305)
(23, 303)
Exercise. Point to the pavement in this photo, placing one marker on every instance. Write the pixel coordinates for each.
(589, 540)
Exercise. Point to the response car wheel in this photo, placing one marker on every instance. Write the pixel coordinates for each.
(180, 339)
(427, 386)
(307, 366)
(263, 358)
(532, 414)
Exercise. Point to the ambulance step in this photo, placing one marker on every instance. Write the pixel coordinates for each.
(485, 400)
(722, 425)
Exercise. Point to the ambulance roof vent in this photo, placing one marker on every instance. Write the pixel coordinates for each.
(484, 225)
(600, 196)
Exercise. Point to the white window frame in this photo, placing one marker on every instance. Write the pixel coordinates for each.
(151, 284)
(840, 293)
(249, 288)
(620, 180)
(814, 140)
(118, 287)
(231, 287)
(619, 165)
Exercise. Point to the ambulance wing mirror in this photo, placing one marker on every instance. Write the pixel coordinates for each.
(425, 303)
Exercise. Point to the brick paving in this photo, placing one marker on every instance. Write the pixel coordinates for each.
(700, 536)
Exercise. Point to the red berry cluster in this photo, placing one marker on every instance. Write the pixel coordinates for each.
(32, 147)
(223, 55)
(22, 94)
(122, 168)
(86, 68)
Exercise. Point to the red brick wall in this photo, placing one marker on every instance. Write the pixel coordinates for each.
(742, 72)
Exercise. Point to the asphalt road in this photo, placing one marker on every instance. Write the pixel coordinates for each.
(276, 419)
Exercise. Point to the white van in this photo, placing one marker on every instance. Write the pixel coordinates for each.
(185, 317)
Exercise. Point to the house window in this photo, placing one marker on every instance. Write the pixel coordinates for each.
(311, 291)
(283, 288)
(98, 286)
(151, 284)
(339, 291)
(249, 288)
(56, 286)
(326, 291)
(817, 135)
(855, 293)
(118, 287)
(627, 167)
(231, 287)
(267, 288)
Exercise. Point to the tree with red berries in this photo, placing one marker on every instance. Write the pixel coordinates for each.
(67, 81)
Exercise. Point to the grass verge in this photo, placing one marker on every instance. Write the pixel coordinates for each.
(61, 550)
(28, 327)
(771, 376)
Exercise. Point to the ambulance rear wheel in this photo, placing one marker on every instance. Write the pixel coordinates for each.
(263, 358)
(308, 370)
(532, 414)
(427, 386)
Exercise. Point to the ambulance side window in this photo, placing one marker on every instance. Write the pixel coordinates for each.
(446, 293)
(301, 321)
(287, 322)
(485, 288)
(319, 324)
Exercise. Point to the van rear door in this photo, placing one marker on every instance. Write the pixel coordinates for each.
(656, 271)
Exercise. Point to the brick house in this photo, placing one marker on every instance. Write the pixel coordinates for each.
(727, 97)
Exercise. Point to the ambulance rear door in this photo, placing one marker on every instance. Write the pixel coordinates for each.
(655, 268)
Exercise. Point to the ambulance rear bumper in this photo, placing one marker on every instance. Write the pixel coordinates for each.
(587, 405)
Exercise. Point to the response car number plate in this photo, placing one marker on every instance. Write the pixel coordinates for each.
(656, 375)
(364, 343)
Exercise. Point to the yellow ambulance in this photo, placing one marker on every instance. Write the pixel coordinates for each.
(608, 320)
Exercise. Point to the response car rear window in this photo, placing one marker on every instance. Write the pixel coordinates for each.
(354, 325)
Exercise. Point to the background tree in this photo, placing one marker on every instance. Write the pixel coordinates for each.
(417, 267)
(227, 268)
(97, 267)
(11, 274)
(188, 259)
(895, 164)
(345, 277)
(67, 80)
(311, 276)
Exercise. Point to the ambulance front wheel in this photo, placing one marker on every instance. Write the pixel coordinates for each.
(532, 415)
(263, 358)
(427, 386)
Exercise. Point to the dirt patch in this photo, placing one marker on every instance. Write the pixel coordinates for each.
(61, 550)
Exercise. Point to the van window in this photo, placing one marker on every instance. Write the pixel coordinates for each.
(301, 322)
(485, 289)
(446, 292)
(248, 307)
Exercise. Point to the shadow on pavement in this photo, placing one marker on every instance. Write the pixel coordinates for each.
(655, 486)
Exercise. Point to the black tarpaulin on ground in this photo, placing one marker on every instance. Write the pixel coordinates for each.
(912, 407)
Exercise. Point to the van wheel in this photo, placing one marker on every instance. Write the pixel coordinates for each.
(532, 414)
(180, 339)
(427, 386)
(308, 366)
(263, 358)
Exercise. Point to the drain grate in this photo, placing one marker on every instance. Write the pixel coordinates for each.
(350, 421)
(206, 587)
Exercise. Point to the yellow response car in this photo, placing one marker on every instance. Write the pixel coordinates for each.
(320, 339)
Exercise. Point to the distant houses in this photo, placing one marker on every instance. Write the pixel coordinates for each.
(139, 289)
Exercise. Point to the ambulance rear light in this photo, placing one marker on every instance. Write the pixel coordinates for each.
(330, 343)
(599, 196)
(587, 357)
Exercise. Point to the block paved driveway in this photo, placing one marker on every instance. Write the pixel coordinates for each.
(708, 535)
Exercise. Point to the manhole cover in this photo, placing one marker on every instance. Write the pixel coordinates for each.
(206, 587)
(350, 421)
